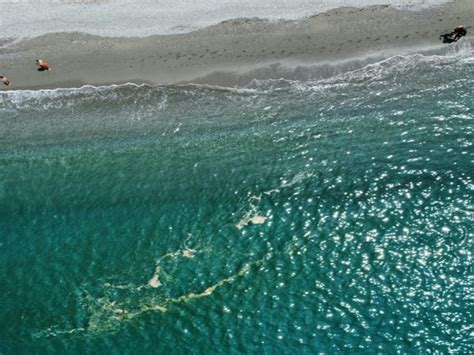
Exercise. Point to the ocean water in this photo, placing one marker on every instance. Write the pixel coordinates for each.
(123, 18)
(321, 215)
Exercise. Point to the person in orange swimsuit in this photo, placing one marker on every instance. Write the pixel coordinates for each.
(42, 65)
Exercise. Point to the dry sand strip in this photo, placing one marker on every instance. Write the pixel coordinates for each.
(232, 46)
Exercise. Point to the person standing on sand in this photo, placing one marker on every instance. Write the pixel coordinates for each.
(458, 32)
(42, 65)
(5, 80)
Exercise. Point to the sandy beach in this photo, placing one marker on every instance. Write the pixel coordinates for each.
(223, 53)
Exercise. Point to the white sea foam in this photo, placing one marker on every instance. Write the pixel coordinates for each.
(124, 18)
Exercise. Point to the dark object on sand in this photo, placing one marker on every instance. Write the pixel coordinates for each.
(5, 80)
(454, 36)
(447, 38)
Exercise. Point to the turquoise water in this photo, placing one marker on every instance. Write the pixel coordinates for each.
(329, 215)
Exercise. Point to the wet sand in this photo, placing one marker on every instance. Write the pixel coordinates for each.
(220, 53)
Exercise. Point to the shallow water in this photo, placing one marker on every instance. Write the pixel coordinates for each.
(329, 215)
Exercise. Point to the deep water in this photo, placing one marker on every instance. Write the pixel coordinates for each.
(329, 215)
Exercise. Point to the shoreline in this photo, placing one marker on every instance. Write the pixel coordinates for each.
(222, 54)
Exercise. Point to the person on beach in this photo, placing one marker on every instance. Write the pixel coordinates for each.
(458, 32)
(42, 65)
(5, 80)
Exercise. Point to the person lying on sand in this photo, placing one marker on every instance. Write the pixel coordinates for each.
(454, 36)
(42, 65)
(5, 80)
